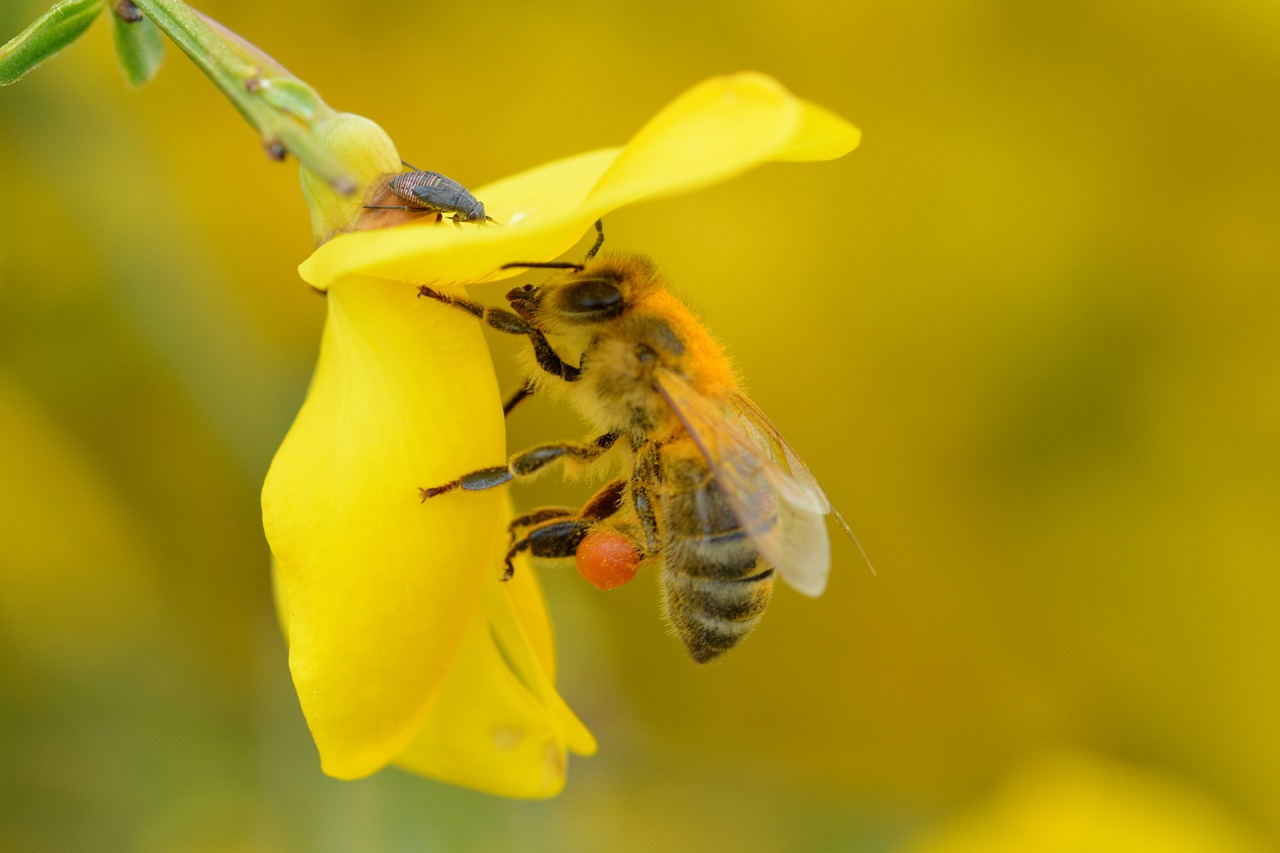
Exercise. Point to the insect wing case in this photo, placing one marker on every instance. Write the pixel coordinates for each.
(782, 513)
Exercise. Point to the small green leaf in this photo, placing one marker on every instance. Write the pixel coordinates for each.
(54, 30)
(291, 96)
(139, 49)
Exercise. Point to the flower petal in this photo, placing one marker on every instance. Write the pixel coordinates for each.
(821, 135)
(538, 209)
(712, 132)
(378, 587)
(718, 129)
(499, 725)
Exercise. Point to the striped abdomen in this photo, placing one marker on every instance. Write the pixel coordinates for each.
(715, 584)
(433, 191)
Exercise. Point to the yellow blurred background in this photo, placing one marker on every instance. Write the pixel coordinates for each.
(1026, 336)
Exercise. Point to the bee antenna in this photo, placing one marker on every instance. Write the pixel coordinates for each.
(599, 240)
(543, 265)
(844, 525)
(410, 166)
(579, 268)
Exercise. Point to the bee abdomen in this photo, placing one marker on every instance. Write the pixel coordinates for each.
(712, 615)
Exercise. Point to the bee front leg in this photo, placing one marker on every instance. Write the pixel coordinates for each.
(511, 324)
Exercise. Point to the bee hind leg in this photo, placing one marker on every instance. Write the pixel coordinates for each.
(558, 531)
(538, 516)
(557, 537)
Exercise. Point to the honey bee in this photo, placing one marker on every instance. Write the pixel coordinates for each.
(712, 494)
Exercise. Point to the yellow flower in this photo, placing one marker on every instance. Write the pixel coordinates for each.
(404, 644)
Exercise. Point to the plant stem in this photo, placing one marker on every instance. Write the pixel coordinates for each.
(244, 85)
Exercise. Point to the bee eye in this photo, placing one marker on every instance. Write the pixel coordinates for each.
(592, 299)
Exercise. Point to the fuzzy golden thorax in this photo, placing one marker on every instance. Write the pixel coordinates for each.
(616, 318)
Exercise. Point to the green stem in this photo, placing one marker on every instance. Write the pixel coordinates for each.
(247, 89)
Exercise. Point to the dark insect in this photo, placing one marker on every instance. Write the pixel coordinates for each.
(432, 192)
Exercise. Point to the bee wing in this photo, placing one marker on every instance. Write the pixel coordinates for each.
(765, 433)
(754, 468)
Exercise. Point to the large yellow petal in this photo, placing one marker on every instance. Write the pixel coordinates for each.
(718, 129)
(498, 724)
(376, 588)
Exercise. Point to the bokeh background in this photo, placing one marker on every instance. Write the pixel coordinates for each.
(1026, 336)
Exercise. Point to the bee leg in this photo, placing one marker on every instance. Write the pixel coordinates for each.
(497, 318)
(555, 538)
(557, 531)
(549, 361)
(534, 459)
(485, 478)
(647, 514)
(605, 502)
(511, 324)
(599, 241)
(538, 516)
(524, 464)
(520, 394)
(647, 469)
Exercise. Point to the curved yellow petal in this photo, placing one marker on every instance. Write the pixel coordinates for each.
(714, 131)
(498, 724)
(376, 587)
(821, 135)
(717, 129)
